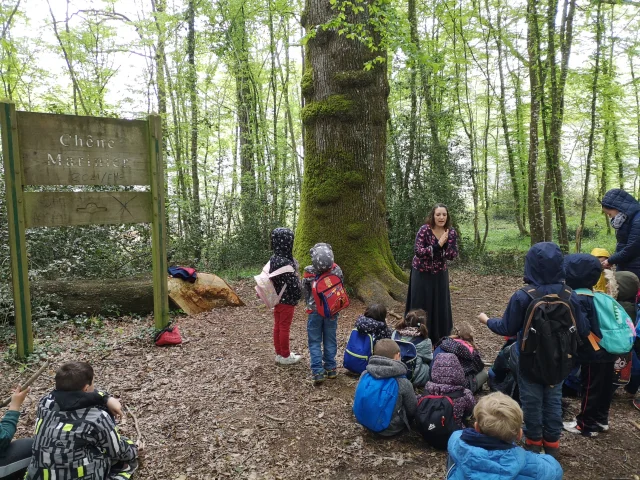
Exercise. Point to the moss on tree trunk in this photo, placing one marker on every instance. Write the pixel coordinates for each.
(343, 194)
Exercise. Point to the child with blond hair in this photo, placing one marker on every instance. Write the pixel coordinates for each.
(488, 451)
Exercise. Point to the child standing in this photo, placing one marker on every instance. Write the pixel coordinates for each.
(447, 377)
(374, 322)
(488, 451)
(384, 368)
(282, 246)
(321, 331)
(596, 371)
(541, 401)
(414, 329)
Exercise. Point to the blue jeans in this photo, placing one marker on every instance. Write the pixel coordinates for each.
(321, 331)
(542, 409)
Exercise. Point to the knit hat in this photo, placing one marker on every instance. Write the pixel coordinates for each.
(321, 257)
(600, 252)
(447, 370)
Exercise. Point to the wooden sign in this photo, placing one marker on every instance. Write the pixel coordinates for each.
(57, 209)
(45, 149)
(72, 150)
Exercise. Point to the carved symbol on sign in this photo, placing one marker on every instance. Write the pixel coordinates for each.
(91, 208)
(124, 205)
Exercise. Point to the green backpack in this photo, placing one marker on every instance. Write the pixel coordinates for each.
(618, 332)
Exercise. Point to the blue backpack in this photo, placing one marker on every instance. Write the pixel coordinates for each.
(358, 351)
(618, 333)
(408, 353)
(375, 402)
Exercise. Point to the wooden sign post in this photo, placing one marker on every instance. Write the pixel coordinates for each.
(47, 149)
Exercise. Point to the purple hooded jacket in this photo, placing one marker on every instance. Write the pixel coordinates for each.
(447, 376)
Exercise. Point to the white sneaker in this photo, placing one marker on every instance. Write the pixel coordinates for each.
(291, 359)
(278, 358)
(604, 427)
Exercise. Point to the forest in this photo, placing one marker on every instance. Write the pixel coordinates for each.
(345, 121)
(517, 115)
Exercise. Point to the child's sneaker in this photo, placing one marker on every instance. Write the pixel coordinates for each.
(604, 427)
(332, 374)
(573, 427)
(636, 402)
(278, 358)
(318, 378)
(291, 359)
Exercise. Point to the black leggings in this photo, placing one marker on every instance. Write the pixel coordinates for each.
(15, 459)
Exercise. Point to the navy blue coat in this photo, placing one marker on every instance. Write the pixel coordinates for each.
(627, 254)
(583, 271)
(543, 270)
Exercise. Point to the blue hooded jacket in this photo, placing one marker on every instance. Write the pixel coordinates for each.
(627, 254)
(543, 270)
(475, 456)
(583, 271)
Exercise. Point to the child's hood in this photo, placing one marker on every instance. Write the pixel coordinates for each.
(69, 401)
(383, 367)
(628, 286)
(543, 264)
(447, 370)
(321, 257)
(282, 242)
(582, 270)
(620, 200)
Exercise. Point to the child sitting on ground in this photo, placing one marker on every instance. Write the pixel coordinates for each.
(414, 329)
(488, 450)
(463, 347)
(374, 322)
(14, 456)
(447, 376)
(386, 374)
(75, 436)
(321, 331)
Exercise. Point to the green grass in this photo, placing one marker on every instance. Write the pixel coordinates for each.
(504, 236)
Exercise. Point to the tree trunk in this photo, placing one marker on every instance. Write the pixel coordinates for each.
(196, 220)
(594, 102)
(511, 154)
(535, 211)
(637, 98)
(343, 194)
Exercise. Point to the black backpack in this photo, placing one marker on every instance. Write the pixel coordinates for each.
(550, 338)
(435, 420)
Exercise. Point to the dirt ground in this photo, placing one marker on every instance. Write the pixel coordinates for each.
(218, 407)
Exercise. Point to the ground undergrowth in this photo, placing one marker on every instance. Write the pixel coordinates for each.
(218, 407)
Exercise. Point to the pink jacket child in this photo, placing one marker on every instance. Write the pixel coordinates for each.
(447, 376)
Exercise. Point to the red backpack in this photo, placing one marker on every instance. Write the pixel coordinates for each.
(329, 294)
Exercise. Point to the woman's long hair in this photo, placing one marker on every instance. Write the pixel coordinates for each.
(430, 220)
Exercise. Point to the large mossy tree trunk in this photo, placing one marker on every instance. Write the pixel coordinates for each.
(343, 192)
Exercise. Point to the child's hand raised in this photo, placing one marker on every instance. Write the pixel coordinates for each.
(17, 398)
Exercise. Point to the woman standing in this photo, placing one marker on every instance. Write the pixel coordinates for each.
(429, 281)
(623, 210)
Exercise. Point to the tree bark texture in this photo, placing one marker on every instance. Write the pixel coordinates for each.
(343, 193)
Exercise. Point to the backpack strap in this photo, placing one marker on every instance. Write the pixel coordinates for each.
(584, 291)
(533, 292)
(281, 270)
